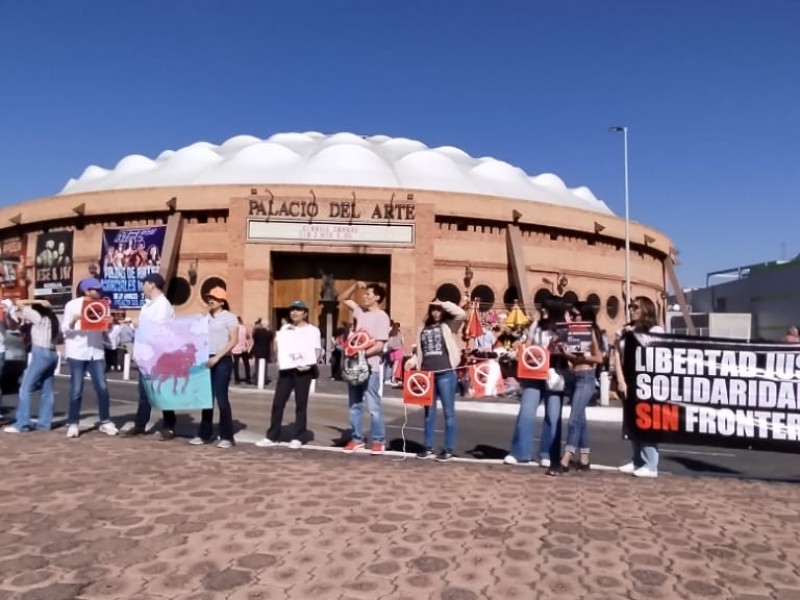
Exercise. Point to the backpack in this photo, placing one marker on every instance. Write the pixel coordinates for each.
(355, 369)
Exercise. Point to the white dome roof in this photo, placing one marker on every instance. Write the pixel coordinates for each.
(313, 158)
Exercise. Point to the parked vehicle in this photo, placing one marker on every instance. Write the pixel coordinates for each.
(16, 361)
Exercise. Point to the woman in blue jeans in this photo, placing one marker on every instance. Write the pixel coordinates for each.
(584, 365)
(533, 392)
(438, 352)
(644, 461)
(41, 370)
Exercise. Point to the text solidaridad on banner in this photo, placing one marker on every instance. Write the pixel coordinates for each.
(703, 391)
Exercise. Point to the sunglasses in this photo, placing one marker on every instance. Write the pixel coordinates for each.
(634, 307)
(212, 299)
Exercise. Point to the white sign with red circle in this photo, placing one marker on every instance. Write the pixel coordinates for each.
(418, 388)
(534, 362)
(95, 315)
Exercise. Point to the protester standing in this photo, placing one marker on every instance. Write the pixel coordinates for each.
(438, 351)
(223, 335)
(263, 338)
(157, 310)
(644, 462)
(85, 352)
(375, 322)
(585, 378)
(112, 343)
(127, 336)
(241, 352)
(41, 371)
(297, 367)
(542, 333)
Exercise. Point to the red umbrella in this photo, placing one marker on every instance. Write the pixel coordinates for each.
(473, 328)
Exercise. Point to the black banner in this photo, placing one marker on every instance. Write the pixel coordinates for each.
(53, 274)
(712, 392)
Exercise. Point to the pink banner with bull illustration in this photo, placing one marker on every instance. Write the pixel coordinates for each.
(172, 361)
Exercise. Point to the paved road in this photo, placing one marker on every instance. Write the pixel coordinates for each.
(135, 519)
(480, 435)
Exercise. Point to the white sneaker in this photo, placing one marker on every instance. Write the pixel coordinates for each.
(510, 460)
(544, 463)
(645, 472)
(628, 468)
(11, 429)
(108, 428)
(225, 444)
(295, 444)
(197, 441)
(73, 431)
(266, 443)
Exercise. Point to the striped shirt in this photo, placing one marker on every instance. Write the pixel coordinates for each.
(41, 328)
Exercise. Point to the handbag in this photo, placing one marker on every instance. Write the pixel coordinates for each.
(555, 381)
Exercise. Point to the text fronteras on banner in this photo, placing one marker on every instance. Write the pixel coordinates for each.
(704, 391)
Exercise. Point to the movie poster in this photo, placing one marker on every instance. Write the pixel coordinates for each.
(706, 391)
(12, 254)
(171, 358)
(129, 255)
(53, 268)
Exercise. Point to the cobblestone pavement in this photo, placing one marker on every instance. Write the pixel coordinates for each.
(103, 517)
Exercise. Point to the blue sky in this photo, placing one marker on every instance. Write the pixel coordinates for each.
(710, 91)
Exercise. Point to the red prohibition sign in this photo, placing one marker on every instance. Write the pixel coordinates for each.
(95, 312)
(418, 385)
(534, 357)
(360, 340)
(482, 373)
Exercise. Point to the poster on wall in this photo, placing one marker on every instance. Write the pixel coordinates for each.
(715, 392)
(53, 268)
(12, 254)
(128, 256)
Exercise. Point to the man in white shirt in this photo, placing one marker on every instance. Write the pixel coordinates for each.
(85, 351)
(156, 309)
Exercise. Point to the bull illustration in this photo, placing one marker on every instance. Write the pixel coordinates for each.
(174, 365)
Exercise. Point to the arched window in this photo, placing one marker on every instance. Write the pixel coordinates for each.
(449, 292)
(612, 307)
(179, 291)
(510, 296)
(594, 300)
(485, 294)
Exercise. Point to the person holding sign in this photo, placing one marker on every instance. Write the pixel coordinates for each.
(375, 322)
(544, 334)
(85, 351)
(644, 462)
(223, 335)
(41, 371)
(438, 352)
(156, 309)
(583, 368)
(299, 348)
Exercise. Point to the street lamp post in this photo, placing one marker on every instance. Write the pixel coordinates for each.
(628, 299)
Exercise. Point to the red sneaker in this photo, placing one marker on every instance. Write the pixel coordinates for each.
(353, 445)
(377, 448)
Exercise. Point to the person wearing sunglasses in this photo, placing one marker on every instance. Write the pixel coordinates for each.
(644, 462)
(223, 335)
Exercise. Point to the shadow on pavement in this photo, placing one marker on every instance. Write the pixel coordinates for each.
(484, 451)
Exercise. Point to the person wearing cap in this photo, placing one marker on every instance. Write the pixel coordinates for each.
(85, 351)
(40, 373)
(156, 309)
(299, 349)
(369, 317)
(223, 335)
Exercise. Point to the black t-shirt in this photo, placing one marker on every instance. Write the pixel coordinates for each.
(434, 349)
(262, 343)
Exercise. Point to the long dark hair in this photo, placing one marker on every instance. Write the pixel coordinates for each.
(47, 313)
(556, 308)
(446, 316)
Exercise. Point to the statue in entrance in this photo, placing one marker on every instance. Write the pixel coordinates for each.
(329, 293)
